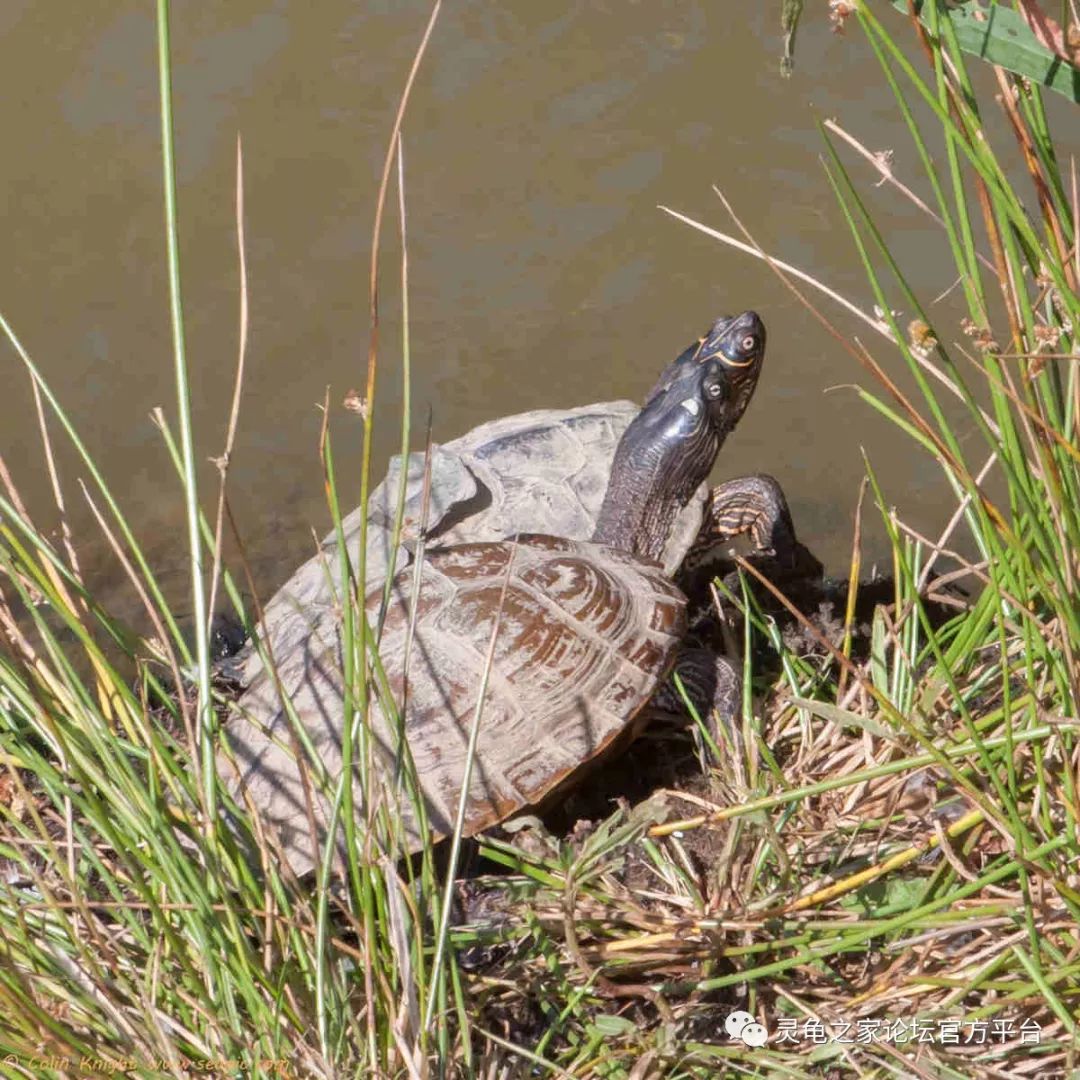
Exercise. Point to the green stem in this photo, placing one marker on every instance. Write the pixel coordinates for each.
(183, 400)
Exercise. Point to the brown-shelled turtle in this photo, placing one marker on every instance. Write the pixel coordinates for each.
(587, 631)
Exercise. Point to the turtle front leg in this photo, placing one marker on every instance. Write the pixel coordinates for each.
(754, 507)
(714, 688)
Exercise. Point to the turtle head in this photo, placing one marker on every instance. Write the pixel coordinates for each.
(738, 343)
(670, 447)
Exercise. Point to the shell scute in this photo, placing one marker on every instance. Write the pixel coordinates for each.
(468, 562)
(667, 618)
(586, 590)
(643, 653)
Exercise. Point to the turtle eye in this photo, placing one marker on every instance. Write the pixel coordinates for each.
(749, 343)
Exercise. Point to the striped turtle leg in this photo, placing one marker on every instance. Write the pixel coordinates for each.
(713, 687)
(753, 507)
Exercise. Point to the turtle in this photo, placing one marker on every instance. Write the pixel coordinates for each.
(542, 469)
(588, 628)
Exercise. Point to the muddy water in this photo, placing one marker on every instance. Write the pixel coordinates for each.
(537, 148)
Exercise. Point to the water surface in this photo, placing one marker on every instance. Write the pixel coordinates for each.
(537, 148)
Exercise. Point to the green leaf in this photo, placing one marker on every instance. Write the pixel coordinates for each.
(612, 1026)
(790, 12)
(884, 897)
(999, 35)
(842, 717)
(879, 667)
